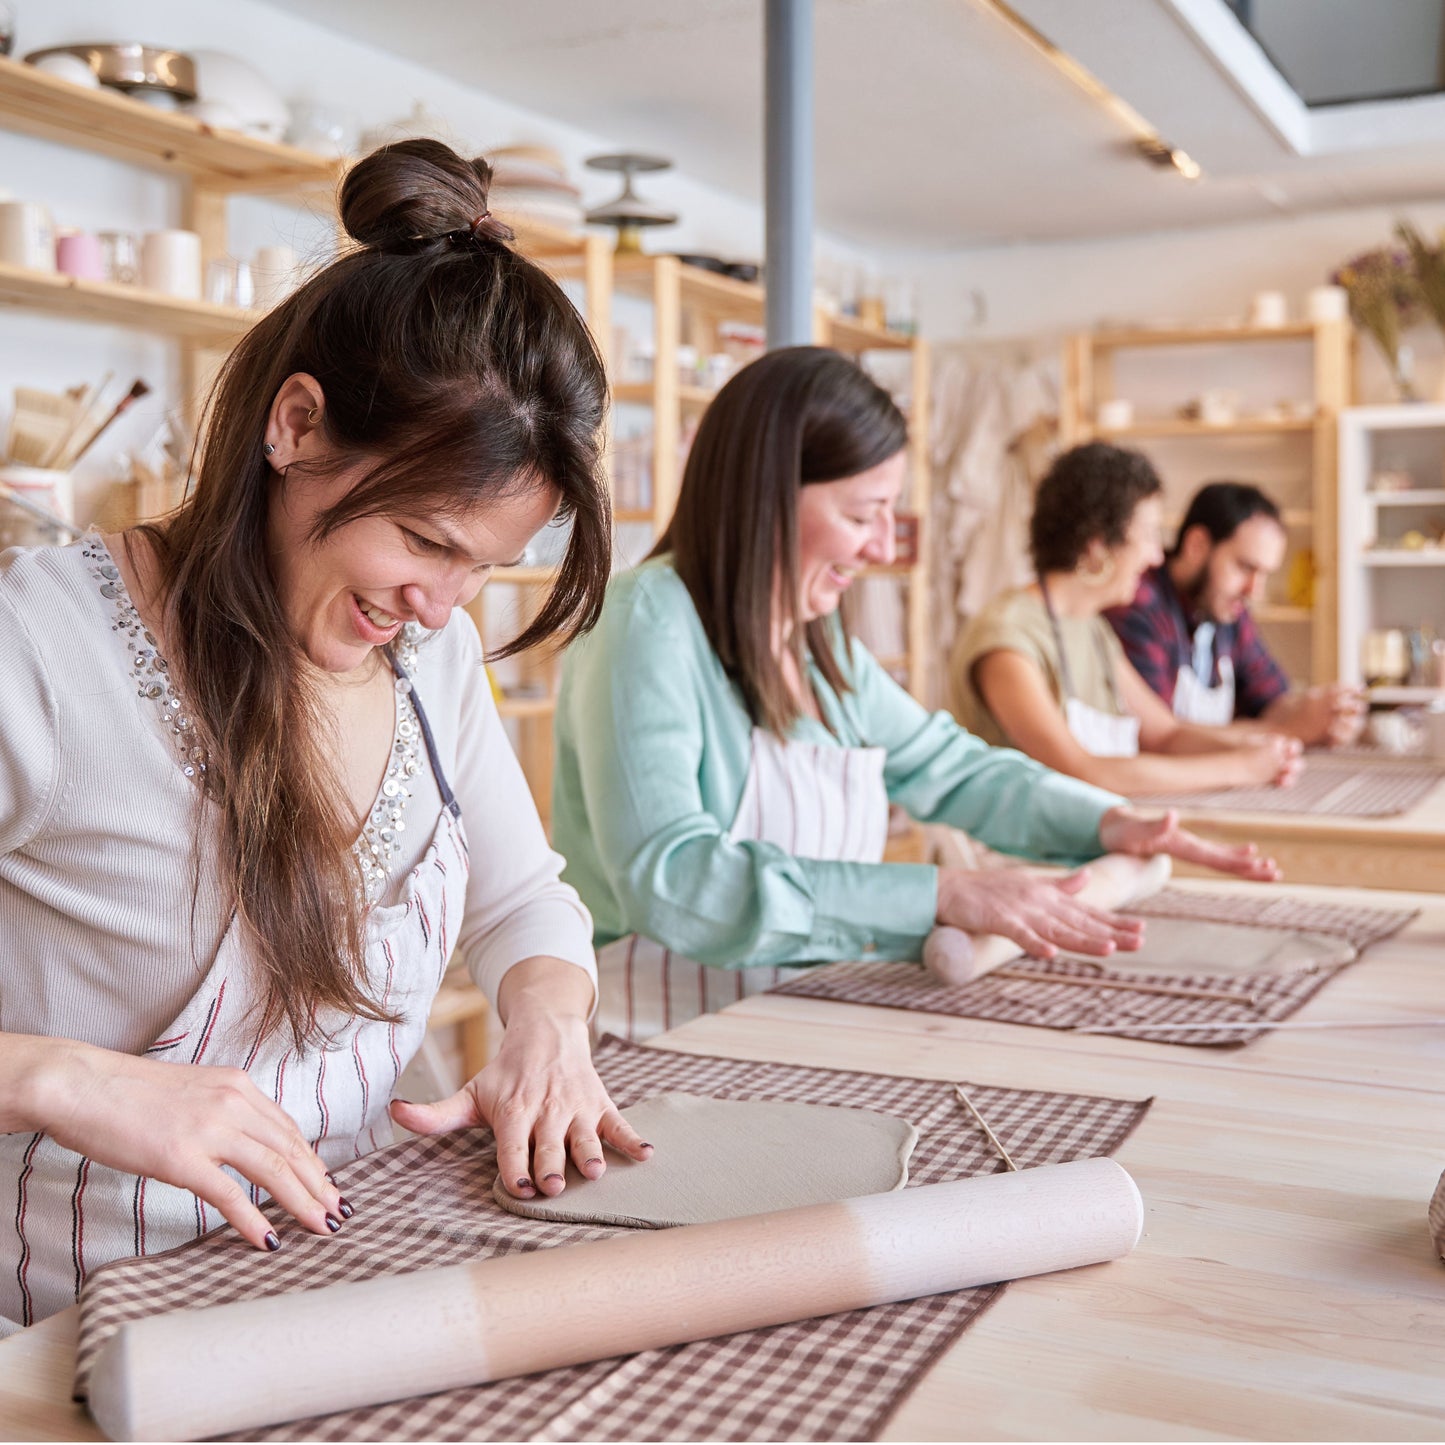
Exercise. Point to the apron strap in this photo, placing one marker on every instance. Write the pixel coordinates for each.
(449, 801)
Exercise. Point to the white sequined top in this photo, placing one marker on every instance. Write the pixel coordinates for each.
(98, 818)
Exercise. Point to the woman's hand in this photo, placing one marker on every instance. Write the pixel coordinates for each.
(541, 1095)
(1143, 834)
(182, 1124)
(1039, 914)
(1270, 758)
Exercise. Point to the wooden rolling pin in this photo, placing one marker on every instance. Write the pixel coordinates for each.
(196, 1373)
(953, 956)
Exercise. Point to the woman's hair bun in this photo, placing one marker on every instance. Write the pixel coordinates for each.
(415, 193)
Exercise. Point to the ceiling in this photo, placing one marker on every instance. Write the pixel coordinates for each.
(937, 126)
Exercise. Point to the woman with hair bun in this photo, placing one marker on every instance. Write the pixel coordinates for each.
(727, 754)
(255, 788)
(1040, 669)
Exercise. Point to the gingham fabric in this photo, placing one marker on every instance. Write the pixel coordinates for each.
(1069, 1006)
(427, 1203)
(1331, 786)
(1437, 1217)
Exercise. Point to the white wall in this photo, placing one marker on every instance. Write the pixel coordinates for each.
(304, 61)
(1040, 292)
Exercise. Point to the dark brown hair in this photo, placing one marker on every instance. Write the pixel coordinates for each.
(1222, 508)
(460, 371)
(1089, 495)
(798, 415)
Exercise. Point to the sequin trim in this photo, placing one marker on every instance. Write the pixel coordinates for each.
(380, 839)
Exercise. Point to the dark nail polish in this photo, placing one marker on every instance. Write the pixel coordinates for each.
(647, 1146)
(524, 1183)
(332, 1223)
(271, 1242)
(344, 1209)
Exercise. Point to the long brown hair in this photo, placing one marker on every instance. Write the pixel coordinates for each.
(460, 371)
(797, 415)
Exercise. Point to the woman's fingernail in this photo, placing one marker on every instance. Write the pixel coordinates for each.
(546, 1177)
(271, 1242)
(524, 1183)
(407, 1102)
(344, 1209)
(332, 1223)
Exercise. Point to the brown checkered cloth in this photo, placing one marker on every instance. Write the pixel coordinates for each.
(1330, 786)
(1069, 1006)
(428, 1203)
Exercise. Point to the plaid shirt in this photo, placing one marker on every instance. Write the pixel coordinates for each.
(1158, 636)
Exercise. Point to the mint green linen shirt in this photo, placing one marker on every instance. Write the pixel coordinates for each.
(652, 750)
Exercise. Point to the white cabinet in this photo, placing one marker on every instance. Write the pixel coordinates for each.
(1383, 584)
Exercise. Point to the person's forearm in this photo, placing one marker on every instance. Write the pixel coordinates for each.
(1163, 773)
(1296, 713)
(545, 985)
(1192, 739)
(29, 1066)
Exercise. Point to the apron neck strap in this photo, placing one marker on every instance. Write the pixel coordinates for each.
(449, 801)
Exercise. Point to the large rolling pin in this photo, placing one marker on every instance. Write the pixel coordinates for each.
(194, 1373)
(1116, 880)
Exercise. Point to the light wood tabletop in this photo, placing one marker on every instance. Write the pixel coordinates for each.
(1404, 851)
(1285, 1286)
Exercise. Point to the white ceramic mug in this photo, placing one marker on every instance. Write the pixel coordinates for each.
(1116, 413)
(1268, 309)
(27, 235)
(170, 261)
(274, 273)
(1328, 303)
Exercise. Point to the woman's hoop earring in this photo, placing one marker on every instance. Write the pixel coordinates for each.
(313, 414)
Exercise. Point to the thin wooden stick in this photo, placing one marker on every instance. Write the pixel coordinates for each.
(983, 1124)
(1091, 981)
(1264, 1024)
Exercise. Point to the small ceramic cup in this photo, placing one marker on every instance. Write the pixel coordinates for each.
(170, 261)
(81, 255)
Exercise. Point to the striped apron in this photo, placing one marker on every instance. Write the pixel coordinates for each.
(71, 1214)
(813, 800)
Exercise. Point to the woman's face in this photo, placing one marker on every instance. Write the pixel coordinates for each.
(1140, 550)
(843, 527)
(353, 590)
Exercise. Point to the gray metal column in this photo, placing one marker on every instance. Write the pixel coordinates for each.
(788, 81)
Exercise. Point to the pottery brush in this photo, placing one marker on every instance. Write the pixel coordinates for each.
(88, 404)
(138, 389)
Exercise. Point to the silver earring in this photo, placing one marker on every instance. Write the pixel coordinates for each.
(268, 449)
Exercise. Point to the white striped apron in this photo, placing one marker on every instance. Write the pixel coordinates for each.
(813, 800)
(70, 1214)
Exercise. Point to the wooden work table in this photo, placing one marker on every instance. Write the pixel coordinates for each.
(1404, 851)
(1285, 1287)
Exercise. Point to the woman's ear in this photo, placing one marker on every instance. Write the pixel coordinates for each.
(293, 426)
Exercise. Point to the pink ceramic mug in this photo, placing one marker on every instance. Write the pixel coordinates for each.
(81, 255)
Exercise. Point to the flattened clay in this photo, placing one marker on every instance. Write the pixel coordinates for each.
(1187, 946)
(723, 1158)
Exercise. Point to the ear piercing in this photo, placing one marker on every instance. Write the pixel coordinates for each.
(268, 449)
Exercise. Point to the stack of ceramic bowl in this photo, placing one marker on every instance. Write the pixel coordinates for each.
(532, 181)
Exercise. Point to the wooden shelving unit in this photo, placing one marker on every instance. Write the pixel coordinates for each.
(1089, 380)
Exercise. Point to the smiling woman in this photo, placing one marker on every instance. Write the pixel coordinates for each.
(727, 754)
(255, 789)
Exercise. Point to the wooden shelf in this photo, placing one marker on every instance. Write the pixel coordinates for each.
(847, 333)
(643, 393)
(541, 241)
(1421, 497)
(1282, 612)
(526, 707)
(703, 291)
(105, 303)
(1200, 335)
(632, 514)
(109, 123)
(1291, 517)
(1162, 427)
(1399, 557)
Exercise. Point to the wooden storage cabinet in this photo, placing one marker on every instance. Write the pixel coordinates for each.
(1292, 455)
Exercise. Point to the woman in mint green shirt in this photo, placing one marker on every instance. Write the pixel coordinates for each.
(726, 754)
